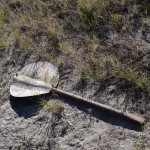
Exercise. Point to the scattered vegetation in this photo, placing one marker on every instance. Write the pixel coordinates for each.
(41, 27)
(97, 37)
(143, 139)
(15, 3)
(52, 106)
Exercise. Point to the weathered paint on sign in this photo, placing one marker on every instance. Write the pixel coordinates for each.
(35, 79)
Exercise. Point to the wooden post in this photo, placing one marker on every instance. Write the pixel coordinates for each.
(132, 117)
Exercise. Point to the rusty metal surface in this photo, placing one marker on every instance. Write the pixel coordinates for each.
(35, 79)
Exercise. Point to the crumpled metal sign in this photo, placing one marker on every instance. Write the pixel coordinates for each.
(35, 79)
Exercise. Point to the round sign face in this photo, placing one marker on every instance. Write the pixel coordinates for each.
(35, 79)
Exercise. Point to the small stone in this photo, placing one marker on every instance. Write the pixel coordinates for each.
(111, 89)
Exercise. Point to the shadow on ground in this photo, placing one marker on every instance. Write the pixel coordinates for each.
(25, 107)
(103, 115)
(28, 107)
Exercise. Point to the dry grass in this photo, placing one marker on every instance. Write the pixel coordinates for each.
(78, 33)
(52, 106)
(32, 30)
(37, 27)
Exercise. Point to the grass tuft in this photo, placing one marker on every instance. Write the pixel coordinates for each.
(16, 3)
(52, 106)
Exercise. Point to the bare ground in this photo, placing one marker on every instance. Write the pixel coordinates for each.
(25, 125)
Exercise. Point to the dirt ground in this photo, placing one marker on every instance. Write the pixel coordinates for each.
(85, 42)
(24, 124)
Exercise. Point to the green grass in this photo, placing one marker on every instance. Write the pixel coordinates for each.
(145, 20)
(16, 3)
(92, 13)
(116, 20)
(27, 28)
(78, 40)
(106, 66)
(2, 16)
(35, 30)
(135, 77)
(52, 106)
